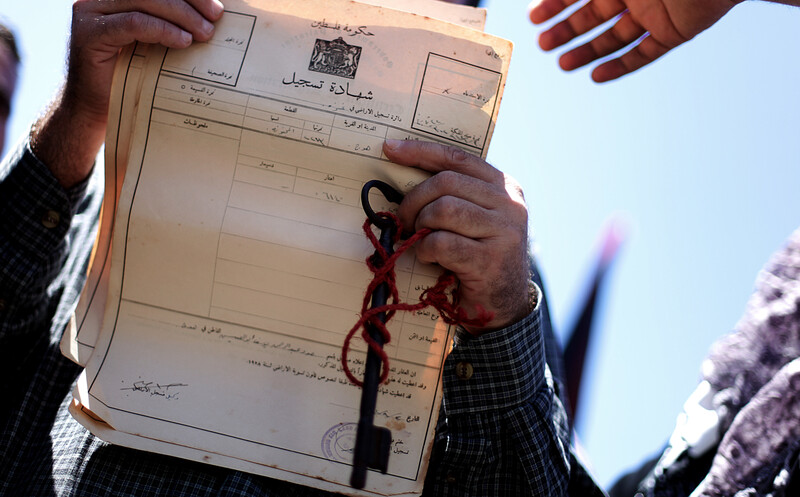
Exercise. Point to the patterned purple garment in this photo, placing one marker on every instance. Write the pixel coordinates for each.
(756, 373)
(751, 390)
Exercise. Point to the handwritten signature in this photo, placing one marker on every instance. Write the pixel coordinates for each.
(168, 391)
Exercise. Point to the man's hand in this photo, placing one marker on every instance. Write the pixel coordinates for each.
(479, 222)
(70, 135)
(661, 24)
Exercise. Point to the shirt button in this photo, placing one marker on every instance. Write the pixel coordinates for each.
(450, 478)
(464, 370)
(2, 305)
(50, 219)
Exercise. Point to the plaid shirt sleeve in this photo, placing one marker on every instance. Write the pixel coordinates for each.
(502, 430)
(37, 234)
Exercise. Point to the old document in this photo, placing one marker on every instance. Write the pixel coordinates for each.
(237, 263)
(81, 334)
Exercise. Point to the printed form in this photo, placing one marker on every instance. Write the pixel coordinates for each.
(237, 265)
(81, 334)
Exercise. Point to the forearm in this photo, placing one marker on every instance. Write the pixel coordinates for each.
(67, 139)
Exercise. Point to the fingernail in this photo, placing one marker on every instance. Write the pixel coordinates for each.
(208, 28)
(186, 38)
(217, 7)
(392, 145)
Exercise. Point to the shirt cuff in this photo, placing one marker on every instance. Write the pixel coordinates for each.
(496, 370)
(37, 210)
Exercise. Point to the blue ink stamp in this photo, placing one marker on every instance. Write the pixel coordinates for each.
(339, 442)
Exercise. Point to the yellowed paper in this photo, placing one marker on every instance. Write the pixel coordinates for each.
(82, 331)
(464, 15)
(238, 257)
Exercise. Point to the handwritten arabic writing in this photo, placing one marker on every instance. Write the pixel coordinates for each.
(246, 338)
(332, 197)
(319, 140)
(168, 391)
(453, 132)
(399, 417)
(234, 41)
(406, 377)
(474, 95)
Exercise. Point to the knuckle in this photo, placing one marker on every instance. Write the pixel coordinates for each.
(446, 180)
(455, 155)
(436, 243)
(145, 27)
(427, 249)
(133, 21)
(447, 206)
(441, 245)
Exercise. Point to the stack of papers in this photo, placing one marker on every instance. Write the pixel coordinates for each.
(230, 261)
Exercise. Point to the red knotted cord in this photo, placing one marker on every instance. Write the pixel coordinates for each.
(382, 266)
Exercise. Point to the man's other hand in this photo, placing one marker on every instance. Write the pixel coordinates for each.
(646, 29)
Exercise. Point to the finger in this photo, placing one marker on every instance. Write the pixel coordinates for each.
(118, 30)
(445, 184)
(540, 11)
(492, 278)
(210, 9)
(624, 32)
(645, 52)
(459, 216)
(451, 251)
(433, 157)
(588, 17)
(148, 17)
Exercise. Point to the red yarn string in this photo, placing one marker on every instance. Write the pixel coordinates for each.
(381, 264)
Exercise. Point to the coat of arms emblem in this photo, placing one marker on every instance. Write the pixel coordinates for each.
(335, 57)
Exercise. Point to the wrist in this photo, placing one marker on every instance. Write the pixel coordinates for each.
(67, 139)
(525, 305)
